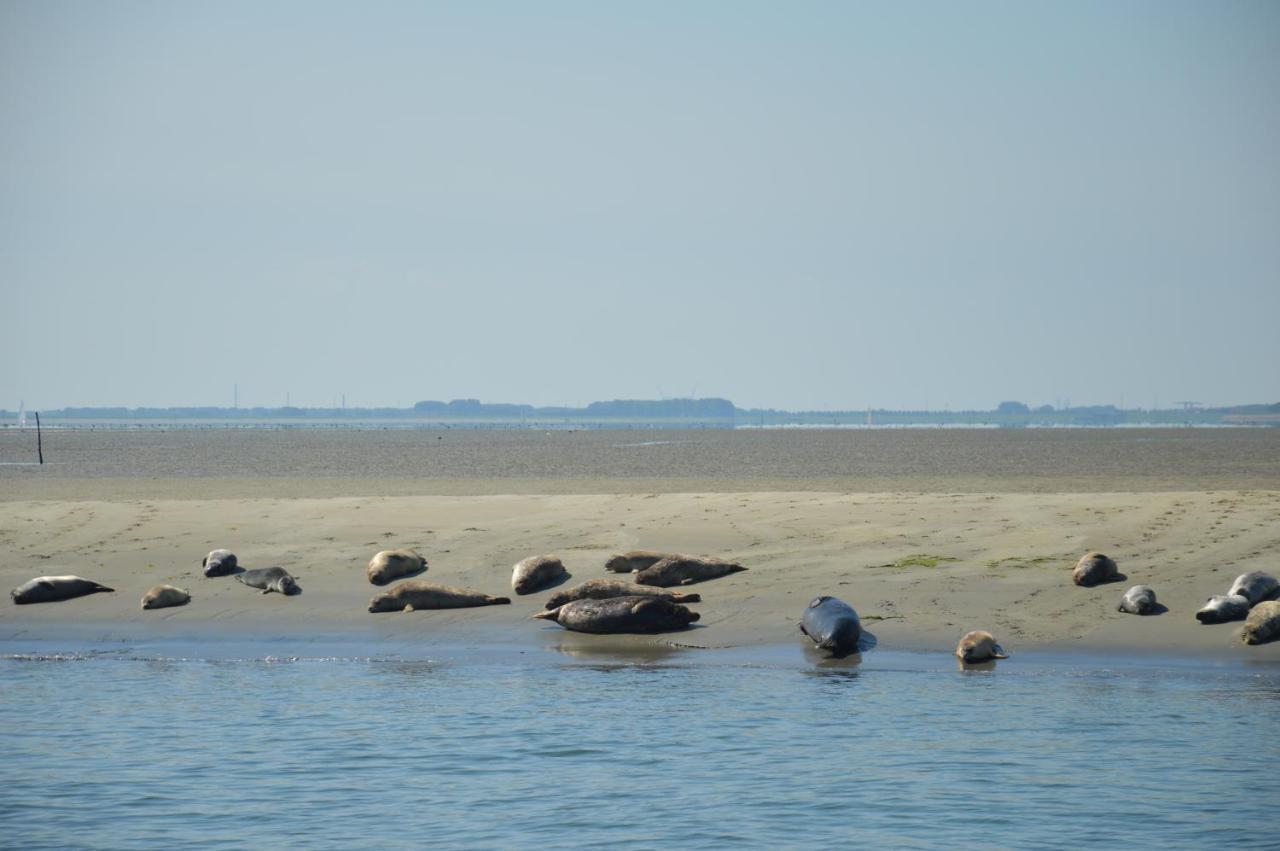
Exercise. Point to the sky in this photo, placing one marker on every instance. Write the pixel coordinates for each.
(801, 205)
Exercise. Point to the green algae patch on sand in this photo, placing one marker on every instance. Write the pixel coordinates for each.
(1026, 561)
(919, 560)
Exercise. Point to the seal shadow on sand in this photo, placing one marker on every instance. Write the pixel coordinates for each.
(554, 583)
(1157, 609)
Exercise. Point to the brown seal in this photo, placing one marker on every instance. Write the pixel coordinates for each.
(1093, 569)
(414, 594)
(979, 646)
(685, 570)
(621, 614)
(163, 596)
(50, 589)
(390, 565)
(1263, 623)
(634, 560)
(603, 589)
(535, 573)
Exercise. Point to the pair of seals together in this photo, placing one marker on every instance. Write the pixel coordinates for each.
(1248, 591)
(664, 570)
(636, 614)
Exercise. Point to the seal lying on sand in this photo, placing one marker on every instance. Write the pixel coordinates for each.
(685, 570)
(621, 614)
(1255, 587)
(389, 565)
(1138, 600)
(1092, 569)
(535, 573)
(1221, 609)
(1263, 623)
(413, 595)
(603, 589)
(50, 589)
(163, 596)
(219, 563)
(634, 560)
(270, 579)
(979, 646)
(833, 625)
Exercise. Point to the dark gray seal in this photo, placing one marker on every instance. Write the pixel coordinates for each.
(1263, 623)
(535, 573)
(219, 563)
(270, 579)
(163, 596)
(1094, 569)
(634, 560)
(622, 614)
(685, 570)
(979, 646)
(390, 565)
(51, 589)
(1255, 587)
(1138, 600)
(833, 625)
(1221, 609)
(414, 595)
(603, 589)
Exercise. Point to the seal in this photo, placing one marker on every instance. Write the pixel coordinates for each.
(603, 589)
(414, 595)
(50, 589)
(390, 565)
(979, 646)
(163, 596)
(1255, 587)
(1138, 600)
(833, 625)
(535, 573)
(1221, 609)
(270, 579)
(219, 563)
(685, 570)
(1263, 623)
(621, 614)
(1093, 569)
(634, 560)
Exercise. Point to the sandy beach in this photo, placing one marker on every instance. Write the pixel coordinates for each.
(920, 568)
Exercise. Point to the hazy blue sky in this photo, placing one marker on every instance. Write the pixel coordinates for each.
(802, 205)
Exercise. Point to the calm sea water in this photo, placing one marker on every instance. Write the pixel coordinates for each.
(760, 749)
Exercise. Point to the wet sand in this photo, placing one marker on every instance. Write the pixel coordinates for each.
(921, 568)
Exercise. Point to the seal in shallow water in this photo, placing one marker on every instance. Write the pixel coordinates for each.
(603, 589)
(685, 570)
(163, 596)
(1255, 587)
(832, 624)
(979, 646)
(414, 595)
(390, 565)
(50, 589)
(1138, 600)
(219, 563)
(634, 560)
(535, 573)
(1221, 609)
(270, 579)
(1092, 569)
(622, 614)
(1263, 623)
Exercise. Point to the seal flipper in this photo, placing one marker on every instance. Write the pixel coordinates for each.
(997, 652)
(687, 581)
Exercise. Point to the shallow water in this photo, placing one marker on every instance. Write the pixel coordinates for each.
(766, 748)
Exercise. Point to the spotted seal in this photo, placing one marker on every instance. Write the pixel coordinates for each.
(414, 595)
(270, 579)
(633, 561)
(1221, 609)
(685, 570)
(390, 565)
(1094, 569)
(621, 614)
(1255, 587)
(535, 573)
(1263, 623)
(1138, 600)
(51, 589)
(832, 624)
(163, 596)
(979, 646)
(603, 589)
(219, 563)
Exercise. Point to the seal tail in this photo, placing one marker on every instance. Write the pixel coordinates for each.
(547, 616)
(997, 652)
(98, 588)
(500, 601)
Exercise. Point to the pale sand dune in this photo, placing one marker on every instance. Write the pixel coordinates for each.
(1010, 574)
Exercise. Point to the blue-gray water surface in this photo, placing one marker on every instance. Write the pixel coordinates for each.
(122, 750)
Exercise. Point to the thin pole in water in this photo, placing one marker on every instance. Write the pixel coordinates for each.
(39, 442)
